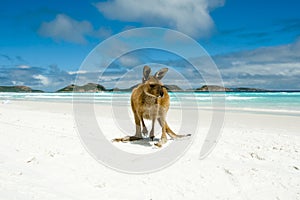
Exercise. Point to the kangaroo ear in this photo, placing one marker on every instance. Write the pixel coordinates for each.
(161, 73)
(146, 73)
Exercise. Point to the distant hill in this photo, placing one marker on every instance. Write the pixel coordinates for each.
(173, 88)
(212, 88)
(216, 88)
(243, 89)
(17, 89)
(90, 87)
(124, 90)
(93, 87)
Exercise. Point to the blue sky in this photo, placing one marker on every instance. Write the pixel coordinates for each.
(254, 43)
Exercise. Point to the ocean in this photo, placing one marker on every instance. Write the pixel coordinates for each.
(284, 103)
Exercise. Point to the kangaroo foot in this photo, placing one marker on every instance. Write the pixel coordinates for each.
(161, 142)
(127, 139)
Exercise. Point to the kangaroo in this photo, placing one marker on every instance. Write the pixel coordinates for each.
(150, 100)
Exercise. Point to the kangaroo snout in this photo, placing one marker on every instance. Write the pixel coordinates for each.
(154, 89)
(161, 93)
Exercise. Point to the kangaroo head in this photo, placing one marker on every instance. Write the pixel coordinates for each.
(152, 84)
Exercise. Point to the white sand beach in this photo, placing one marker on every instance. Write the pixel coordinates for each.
(41, 157)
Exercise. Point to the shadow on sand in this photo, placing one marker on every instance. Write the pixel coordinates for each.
(147, 142)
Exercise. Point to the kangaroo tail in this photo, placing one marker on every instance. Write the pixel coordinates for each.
(172, 134)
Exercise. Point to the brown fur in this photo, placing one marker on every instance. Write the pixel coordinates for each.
(150, 100)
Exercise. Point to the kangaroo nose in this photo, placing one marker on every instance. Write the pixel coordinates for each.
(161, 93)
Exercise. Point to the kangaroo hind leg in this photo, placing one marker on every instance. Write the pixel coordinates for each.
(170, 132)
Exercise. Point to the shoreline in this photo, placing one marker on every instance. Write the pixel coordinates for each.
(227, 108)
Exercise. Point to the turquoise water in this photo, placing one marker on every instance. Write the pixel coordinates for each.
(275, 102)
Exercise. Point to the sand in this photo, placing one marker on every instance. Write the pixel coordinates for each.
(42, 157)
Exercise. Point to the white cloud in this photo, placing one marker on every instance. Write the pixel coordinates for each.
(77, 72)
(271, 69)
(128, 60)
(276, 67)
(102, 33)
(190, 16)
(17, 82)
(43, 79)
(65, 28)
(24, 67)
